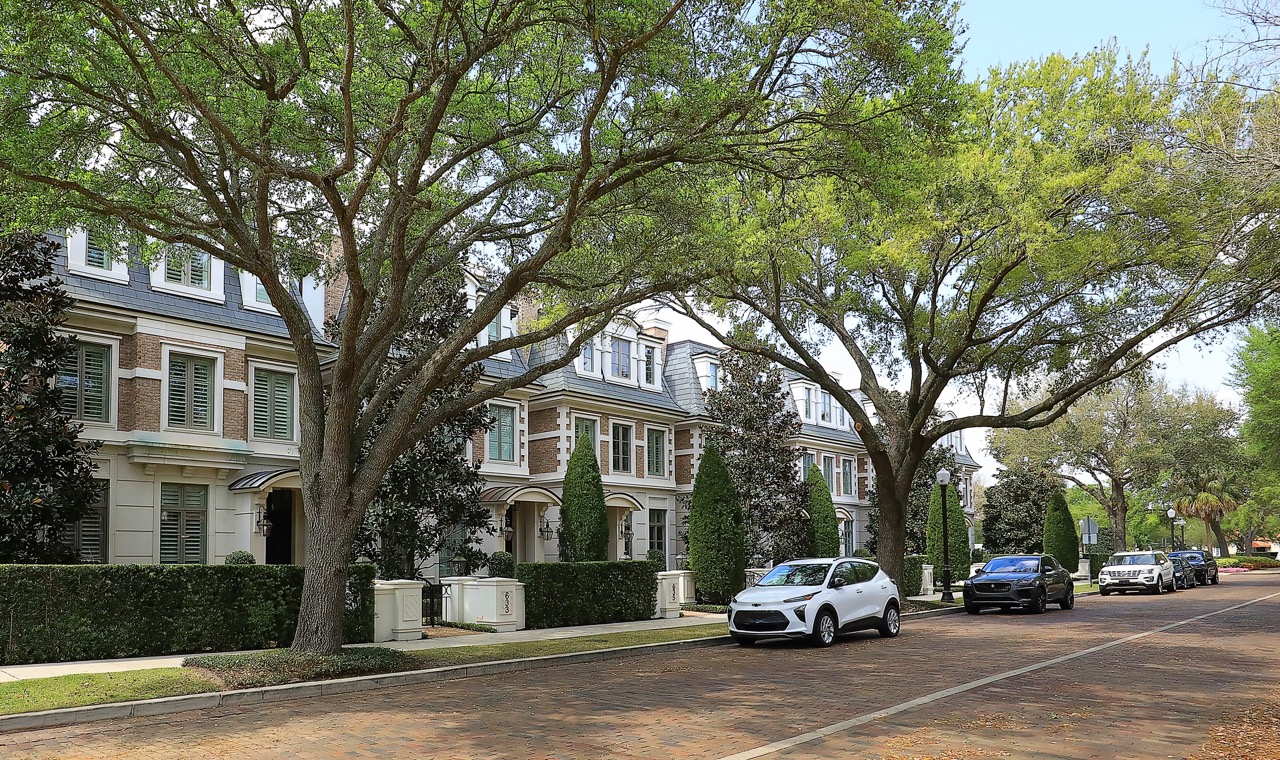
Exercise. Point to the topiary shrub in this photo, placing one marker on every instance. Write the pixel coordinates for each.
(657, 555)
(716, 536)
(587, 593)
(957, 536)
(863, 554)
(240, 557)
(584, 519)
(912, 574)
(58, 613)
(502, 565)
(978, 555)
(824, 525)
(1060, 538)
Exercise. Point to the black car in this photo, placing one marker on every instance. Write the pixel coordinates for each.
(1203, 563)
(1029, 581)
(1183, 574)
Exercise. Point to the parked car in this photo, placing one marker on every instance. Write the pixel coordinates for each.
(817, 599)
(1205, 566)
(1183, 575)
(1136, 571)
(1029, 581)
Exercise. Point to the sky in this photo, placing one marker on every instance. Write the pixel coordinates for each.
(1000, 32)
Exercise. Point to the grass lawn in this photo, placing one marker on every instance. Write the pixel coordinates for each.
(205, 673)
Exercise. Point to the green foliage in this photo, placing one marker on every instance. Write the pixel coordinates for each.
(559, 594)
(1257, 373)
(863, 553)
(584, 519)
(923, 487)
(912, 574)
(716, 540)
(1251, 562)
(1013, 518)
(46, 471)
(240, 557)
(957, 535)
(978, 555)
(477, 627)
(281, 666)
(757, 420)
(718, 609)
(1060, 538)
(55, 613)
(502, 565)
(824, 525)
(656, 554)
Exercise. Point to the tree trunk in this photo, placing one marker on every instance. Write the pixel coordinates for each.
(1118, 511)
(330, 533)
(891, 534)
(1216, 525)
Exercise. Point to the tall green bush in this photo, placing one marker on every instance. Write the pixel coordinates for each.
(587, 593)
(957, 536)
(824, 525)
(584, 519)
(58, 613)
(1060, 538)
(912, 574)
(716, 536)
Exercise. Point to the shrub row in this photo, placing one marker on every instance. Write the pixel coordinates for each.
(1252, 562)
(56, 613)
(584, 593)
(912, 574)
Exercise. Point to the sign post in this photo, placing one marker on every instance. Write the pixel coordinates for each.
(1089, 537)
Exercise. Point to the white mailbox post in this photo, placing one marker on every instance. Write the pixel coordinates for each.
(496, 602)
(397, 609)
(668, 601)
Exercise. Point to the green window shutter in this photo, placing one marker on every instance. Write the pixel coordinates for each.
(495, 329)
(179, 391)
(282, 406)
(656, 453)
(202, 394)
(502, 436)
(69, 382)
(95, 395)
(261, 404)
(199, 267)
(170, 524)
(173, 269)
(91, 533)
(95, 257)
(260, 292)
(193, 524)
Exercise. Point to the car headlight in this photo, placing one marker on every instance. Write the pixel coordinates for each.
(1022, 582)
(804, 598)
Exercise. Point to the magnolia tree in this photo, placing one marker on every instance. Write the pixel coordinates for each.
(1066, 233)
(562, 153)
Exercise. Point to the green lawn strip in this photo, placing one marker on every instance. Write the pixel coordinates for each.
(218, 672)
(36, 694)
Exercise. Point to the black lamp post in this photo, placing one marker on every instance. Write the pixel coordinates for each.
(1172, 513)
(944, 479)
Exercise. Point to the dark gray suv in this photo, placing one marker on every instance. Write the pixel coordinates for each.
(1203, 563)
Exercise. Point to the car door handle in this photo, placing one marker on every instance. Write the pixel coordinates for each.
(859, 591)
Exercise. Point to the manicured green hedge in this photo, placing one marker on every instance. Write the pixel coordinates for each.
(1253, 562)
(584, 593)
(912, 574)
(56, 613)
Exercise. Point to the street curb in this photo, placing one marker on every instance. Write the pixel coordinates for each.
(240, 697)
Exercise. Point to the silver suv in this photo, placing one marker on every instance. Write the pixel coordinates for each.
(1151, 572)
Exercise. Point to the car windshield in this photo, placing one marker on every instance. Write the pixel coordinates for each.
(1012, 565)
(1132, 559)
(796, 575)
(1192, 557)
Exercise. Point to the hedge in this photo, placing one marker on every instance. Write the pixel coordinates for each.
(57, 613)
(1060, 538)
(1250, 561)
(912, 574)
(585, 593)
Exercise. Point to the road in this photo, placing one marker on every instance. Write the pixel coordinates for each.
(1121, 677)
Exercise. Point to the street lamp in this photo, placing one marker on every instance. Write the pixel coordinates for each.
(1172, 513)
(944, 478)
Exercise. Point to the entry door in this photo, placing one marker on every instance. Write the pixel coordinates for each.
(280, 513)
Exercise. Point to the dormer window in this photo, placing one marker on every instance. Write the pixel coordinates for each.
(713, 376)
(650, 364)
(190, 268)
(260, 292)
(588, 357)
(808, 403)
(620, 361)
(824, 406)
(95, 256)
(495, 329)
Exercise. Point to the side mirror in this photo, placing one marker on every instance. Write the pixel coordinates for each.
(838, 583)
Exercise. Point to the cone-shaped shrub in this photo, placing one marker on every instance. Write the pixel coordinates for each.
(957, 535)
(824, 526)
(584, 520)
(716, 536)
(1060, 539)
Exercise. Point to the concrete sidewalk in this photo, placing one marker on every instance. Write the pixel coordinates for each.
(48, 670)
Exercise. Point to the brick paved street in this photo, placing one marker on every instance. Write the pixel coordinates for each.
(1153, 697)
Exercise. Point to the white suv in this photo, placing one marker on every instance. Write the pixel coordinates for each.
(816, 599)
(1151, 572)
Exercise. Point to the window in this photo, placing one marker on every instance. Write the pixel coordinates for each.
(183, 516)
(824, 406)
(808, 403)
(272, 405)
(650, 364)
(188, 267)
(806, 463)
(829, 472)
(620, 361)
(588, 357)
(84, 379)
(713, 376)
(260, 292)
(89, 534)
(847, 572)
(846, 538)
(95, 256)
(502, 437)
(622, 448)
(656, 451)
(190, 392)
(584, 427)
(658, 530)
(846, 477)
(840, 419)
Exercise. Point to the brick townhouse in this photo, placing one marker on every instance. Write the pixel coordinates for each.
(185, 372)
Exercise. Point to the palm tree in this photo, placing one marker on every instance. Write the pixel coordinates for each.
(1207, 495)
